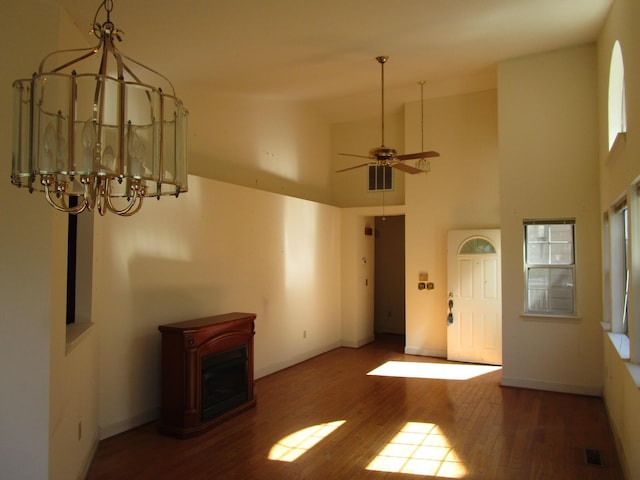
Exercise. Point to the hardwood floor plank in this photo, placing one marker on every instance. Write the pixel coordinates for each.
(486, 431)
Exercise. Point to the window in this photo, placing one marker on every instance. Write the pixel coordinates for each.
(606, 268)
(477, 246)
(380, 177)
(619, 269)
(617, 107)
(622, 257)
(550, 267)
(72, 246)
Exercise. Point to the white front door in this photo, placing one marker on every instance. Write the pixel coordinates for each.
(474, 333)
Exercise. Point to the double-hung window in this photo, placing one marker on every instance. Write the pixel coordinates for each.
(550, 268)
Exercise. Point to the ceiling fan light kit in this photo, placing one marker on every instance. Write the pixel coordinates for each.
(384, 156)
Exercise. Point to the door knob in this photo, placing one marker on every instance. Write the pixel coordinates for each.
(450, 316)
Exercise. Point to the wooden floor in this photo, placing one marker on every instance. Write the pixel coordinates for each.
(351, 425)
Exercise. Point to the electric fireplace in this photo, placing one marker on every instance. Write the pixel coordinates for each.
(207, 372)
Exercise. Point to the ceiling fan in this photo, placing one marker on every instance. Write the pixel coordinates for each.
(383, 156)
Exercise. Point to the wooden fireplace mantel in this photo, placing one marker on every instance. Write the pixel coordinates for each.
(184, 345)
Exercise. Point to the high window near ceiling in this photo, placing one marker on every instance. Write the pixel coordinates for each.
(617, 107)
(380, 178)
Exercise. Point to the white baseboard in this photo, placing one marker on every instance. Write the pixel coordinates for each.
(593, 391)
(129, 423)
(276, 367)
(425, 352)
(358, 343)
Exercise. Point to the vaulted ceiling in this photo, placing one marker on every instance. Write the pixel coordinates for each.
(324, 50)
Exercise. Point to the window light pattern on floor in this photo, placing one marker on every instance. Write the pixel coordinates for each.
(419, 449)
(441, 371)
(293, 446)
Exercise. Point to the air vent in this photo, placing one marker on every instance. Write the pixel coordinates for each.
(593, 457)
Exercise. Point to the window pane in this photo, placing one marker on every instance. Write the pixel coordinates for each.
(538, 253)
(561, 254)
(536, 233)
(550, 290)
(549, 244)
(561, 233)
(477, 245)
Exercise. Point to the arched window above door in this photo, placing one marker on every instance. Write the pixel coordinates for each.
(477, 245)
(617, 107)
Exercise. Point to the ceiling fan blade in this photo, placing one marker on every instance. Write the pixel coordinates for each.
(353, 168)
(406, 168)
(412, 156)
(354, 155)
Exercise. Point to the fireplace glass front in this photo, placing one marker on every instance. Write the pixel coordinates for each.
(224, 381)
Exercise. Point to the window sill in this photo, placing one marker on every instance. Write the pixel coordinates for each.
(634, 371)
(550, 317)
(621, 344)
(75, 333)
(618, 146)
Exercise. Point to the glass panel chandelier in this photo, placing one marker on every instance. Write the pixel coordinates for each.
(85, 139)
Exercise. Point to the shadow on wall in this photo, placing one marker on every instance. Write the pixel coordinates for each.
(234, 172)
(163, 291)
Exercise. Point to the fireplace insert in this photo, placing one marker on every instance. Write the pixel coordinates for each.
(224, 381)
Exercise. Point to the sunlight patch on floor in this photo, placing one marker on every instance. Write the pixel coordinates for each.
(440, 371)
(419, 449)
(293, 446)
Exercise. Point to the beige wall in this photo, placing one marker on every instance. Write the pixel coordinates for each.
(618, 171)
(219, 248)
(460, 192)
(297, 263)
(274, 145)
(43, 390)
(73, 416)
(356, 270)
(357, 273)
(549, 169)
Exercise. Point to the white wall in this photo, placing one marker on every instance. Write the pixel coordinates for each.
(460, 192)
(549, 169)
(618, 172)
(219, 248)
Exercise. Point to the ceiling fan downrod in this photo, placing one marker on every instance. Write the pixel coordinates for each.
(382, 60)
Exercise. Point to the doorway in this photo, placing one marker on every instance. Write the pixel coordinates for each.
(389, 274)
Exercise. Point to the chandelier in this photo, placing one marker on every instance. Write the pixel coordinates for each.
(101, 140)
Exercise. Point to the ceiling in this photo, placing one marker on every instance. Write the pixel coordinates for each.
(324, 51)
